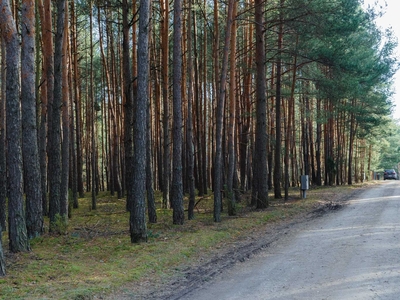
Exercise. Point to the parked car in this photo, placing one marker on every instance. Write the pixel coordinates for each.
(389, 174)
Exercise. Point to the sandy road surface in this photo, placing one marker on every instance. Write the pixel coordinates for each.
(353, 253)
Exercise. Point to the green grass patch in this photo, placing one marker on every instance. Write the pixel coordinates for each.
(95, 255)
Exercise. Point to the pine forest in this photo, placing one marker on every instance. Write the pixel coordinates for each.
(162, 103)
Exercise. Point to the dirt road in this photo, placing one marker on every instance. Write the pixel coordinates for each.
(353, 253)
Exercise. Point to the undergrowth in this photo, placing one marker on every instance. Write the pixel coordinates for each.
(94, 256)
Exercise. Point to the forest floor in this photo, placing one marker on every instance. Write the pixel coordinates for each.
(204, 268)
(94, 259)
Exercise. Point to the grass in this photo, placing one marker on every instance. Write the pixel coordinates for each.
(96, 256)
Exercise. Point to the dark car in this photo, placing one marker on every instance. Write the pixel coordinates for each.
(389, 174)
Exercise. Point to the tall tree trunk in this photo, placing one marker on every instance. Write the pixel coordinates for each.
(351, 148)
(3, 182)
(54, 151)
(278, 126)
(128, 101)
(177, 184)
(215, 86)
(260, 168)
(93, 113)
(77, 101)
(16, 216)
(166, 104)
(109, 108)
(199, 113)
(138, 228)
(3, 172)
(271, 128)
(289, 131)
(318, 145)
(74, 88)
(330, 166)
(311, 140)
(232, 120)
(65, 121)
(206, 115)
(189, 122)
(218, 162)
(34, 209)
(244, 124)
(46, 94)
(151, 203)
(304, 136)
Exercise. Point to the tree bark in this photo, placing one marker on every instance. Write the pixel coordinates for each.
(93, 114)
(177, 184)
(218, 163)
(46, 94)
(3, 172)
(189, 133)
(138, 228)
(64, 191)
(318, 145)
(260, 169)
(201, 185)
(77, 157)
(351, 147)
(54, 134)
(289, 131)
(151, 203)
(166, 104)
(16, 216)
(34, 209)
(128, 101)
(74, 80)
(232, 121)
(278, 124)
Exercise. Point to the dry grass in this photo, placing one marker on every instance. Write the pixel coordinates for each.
(96, 255)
